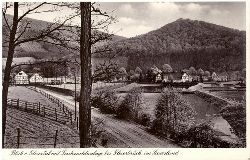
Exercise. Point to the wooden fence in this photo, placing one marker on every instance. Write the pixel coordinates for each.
(53, 99)
(20, 141)
(53, 113)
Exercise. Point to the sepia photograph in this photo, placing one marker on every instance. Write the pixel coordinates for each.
(123, 75)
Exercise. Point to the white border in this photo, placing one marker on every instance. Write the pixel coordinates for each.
(184, 153)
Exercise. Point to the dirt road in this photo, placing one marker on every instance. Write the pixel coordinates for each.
(118, 132)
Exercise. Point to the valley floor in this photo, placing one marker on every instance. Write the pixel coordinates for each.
(119, 133)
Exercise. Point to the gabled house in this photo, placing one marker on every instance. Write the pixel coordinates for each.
(36, 78)
(21, 78)
(186, 78)
(214, 77)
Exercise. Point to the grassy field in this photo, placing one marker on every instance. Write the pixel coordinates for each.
(204, 110)
(234, 95)
(35, 127)
(36, 131)
(95, 86)
(25, 94)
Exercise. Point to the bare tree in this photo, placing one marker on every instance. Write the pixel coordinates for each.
(15, 34)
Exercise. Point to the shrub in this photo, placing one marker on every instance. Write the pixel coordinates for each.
(235, 114)
(97, 133)
(131, 106)
(173, 113)
(106, 101)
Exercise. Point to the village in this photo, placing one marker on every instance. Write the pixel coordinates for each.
(153, 75)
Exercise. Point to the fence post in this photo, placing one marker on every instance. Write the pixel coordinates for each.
(26, 107)
(56, 114)
(71, 118)
(39, 105)
(55, 139)
(17, 103)
(77, 123)
(18, 137)
(44, 111)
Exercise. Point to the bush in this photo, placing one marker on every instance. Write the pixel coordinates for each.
(106, 101)
(203, 136)
(235, 114)
(131, 106)
(174, 114)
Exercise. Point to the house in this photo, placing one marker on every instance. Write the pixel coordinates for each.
(215, 77)
(21, 78)
(223, 77)
(186, 78)
(36, 78)
(158, 77)
(157, 73)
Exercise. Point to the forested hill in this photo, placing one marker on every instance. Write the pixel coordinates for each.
(184, 43)
(41, 50)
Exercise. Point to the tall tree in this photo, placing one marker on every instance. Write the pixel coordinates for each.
(85, 91)
(166, 68)
(15, 33)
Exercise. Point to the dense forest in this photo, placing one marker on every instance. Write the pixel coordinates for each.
(184, 43)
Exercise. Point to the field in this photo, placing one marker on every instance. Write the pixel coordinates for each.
(35, 131)
(25, 94)
(204, 109)
(95, 86)
(234, 95)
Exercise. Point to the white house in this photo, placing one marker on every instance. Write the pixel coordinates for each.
(36, 78)
(21, 78)
(158, 78)
(215, 77)
(186, 78)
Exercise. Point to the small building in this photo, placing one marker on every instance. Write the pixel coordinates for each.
(186, 78)
(36, 78)
(223, 77)
(21, 78)
(158, 77)
(214, 77)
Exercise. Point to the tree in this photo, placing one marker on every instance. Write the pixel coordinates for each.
(166, 68)
(85, 91)
(15, 33)
(200, 72)
(207, 73)
(106, 71)
(192, 71)
(123, 73)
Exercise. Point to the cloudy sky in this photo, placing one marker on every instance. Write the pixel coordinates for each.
(138, 18)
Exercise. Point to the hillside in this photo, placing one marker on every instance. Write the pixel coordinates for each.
(184, 43)
(41, 50)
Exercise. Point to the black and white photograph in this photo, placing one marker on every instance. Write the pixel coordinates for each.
(123, 75)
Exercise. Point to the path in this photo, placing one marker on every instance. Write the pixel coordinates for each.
(121, 133)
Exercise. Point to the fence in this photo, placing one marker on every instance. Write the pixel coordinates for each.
(60, 105)
(20, 141)
(41, 110)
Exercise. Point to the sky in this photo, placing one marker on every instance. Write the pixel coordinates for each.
(139, 18)
(135, 18)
